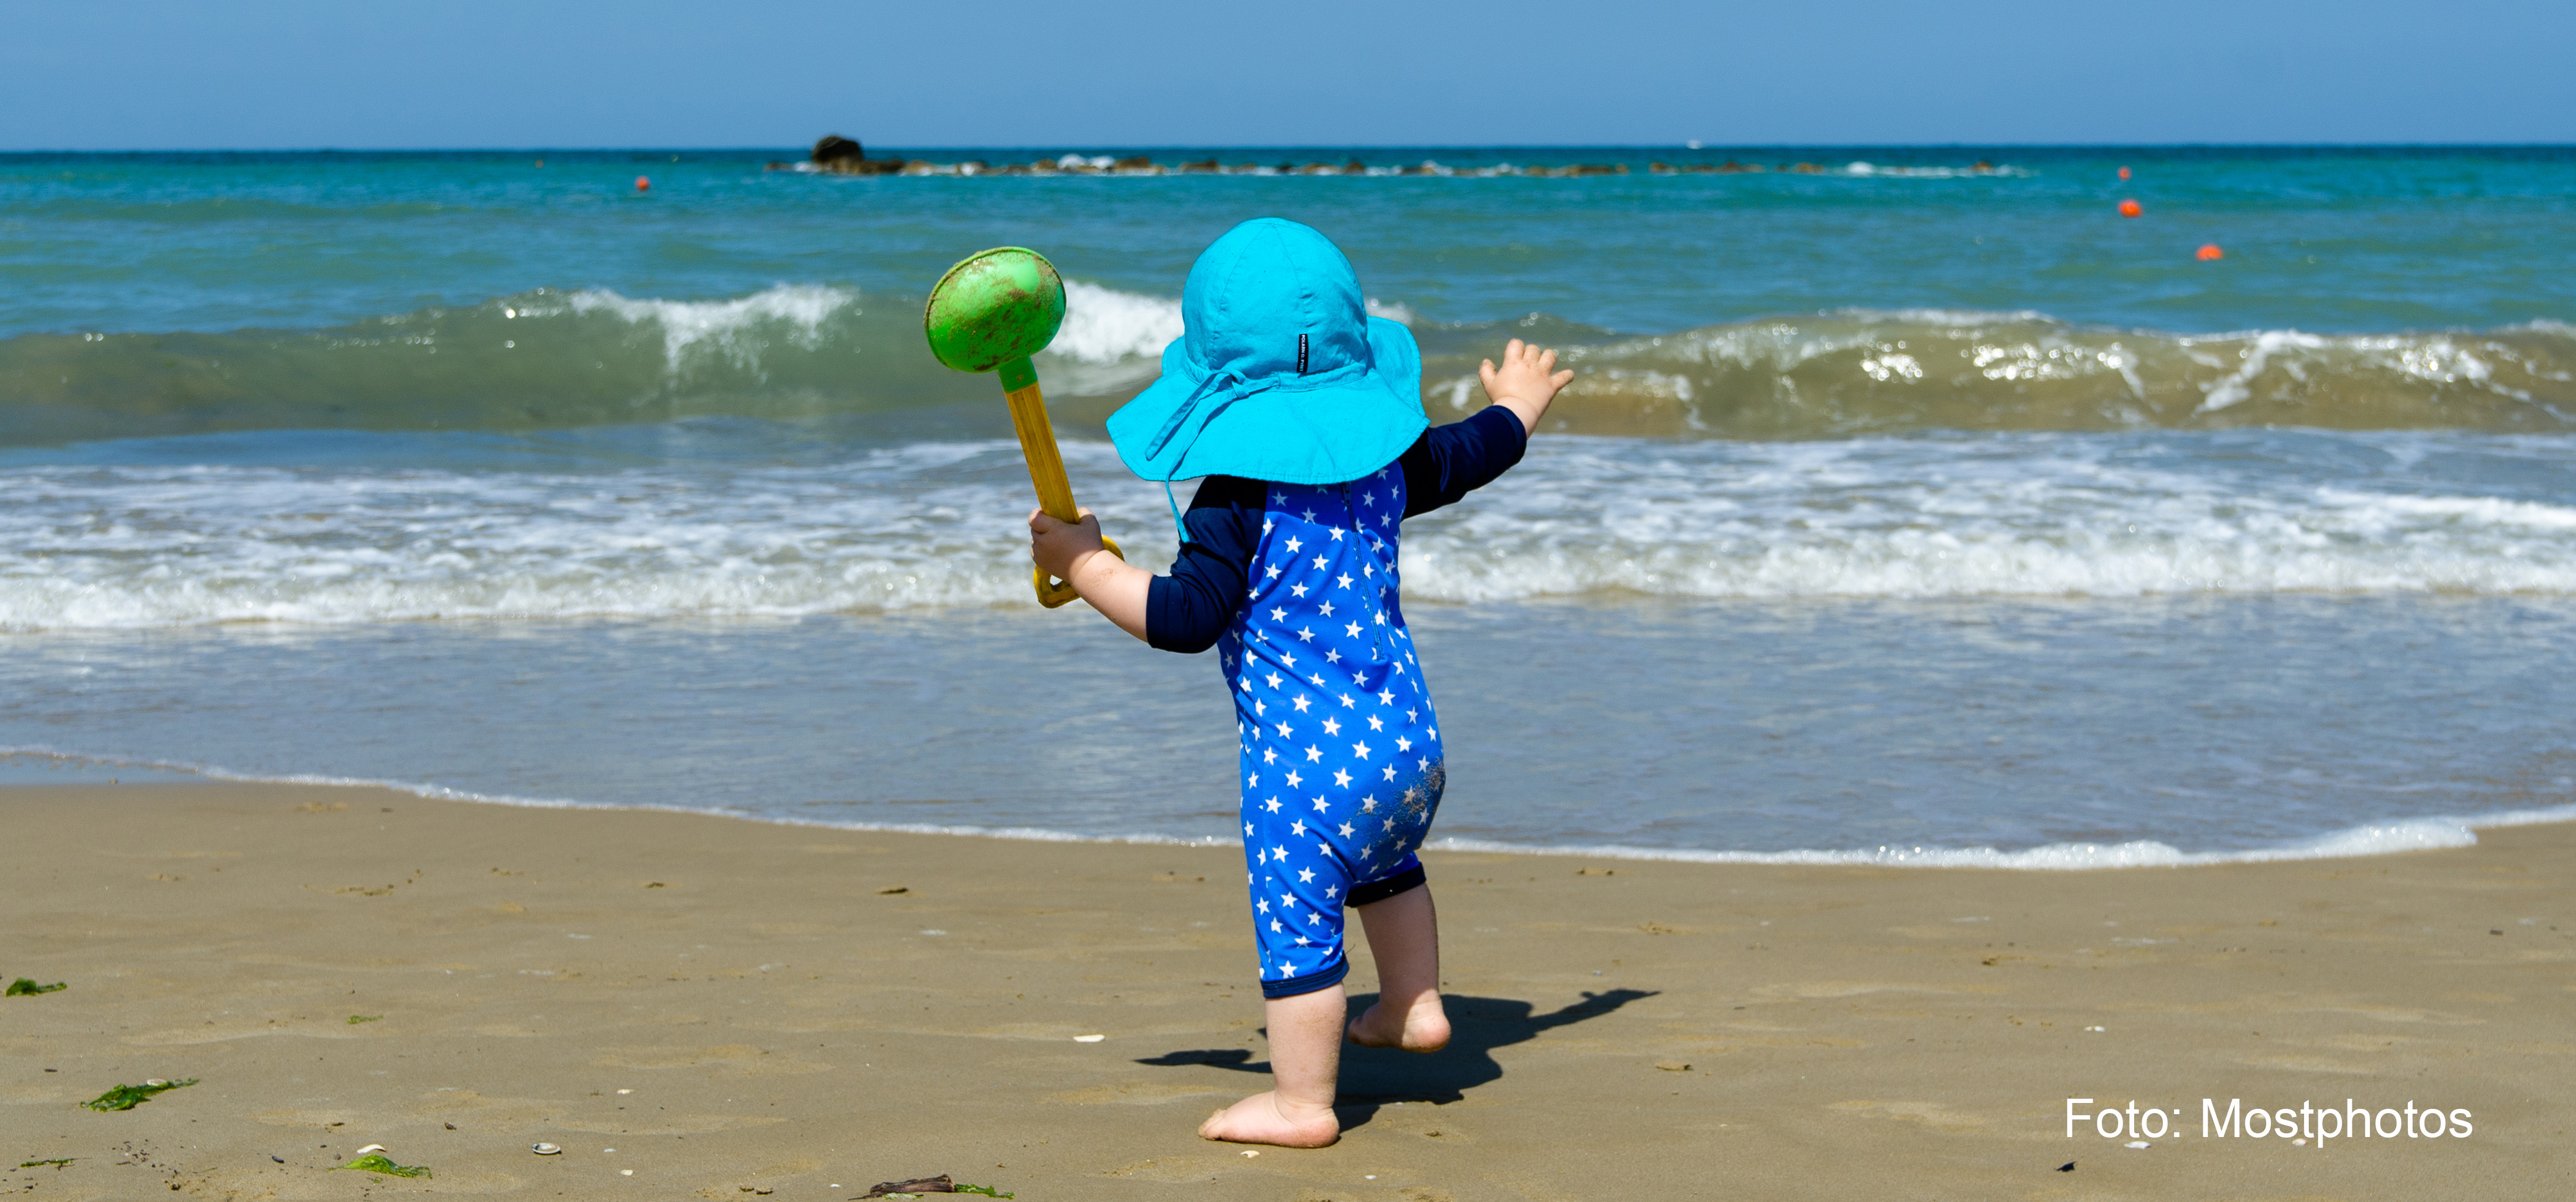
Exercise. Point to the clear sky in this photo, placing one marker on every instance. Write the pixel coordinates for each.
(142, 74)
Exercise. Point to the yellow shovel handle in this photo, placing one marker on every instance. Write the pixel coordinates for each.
(1046, 471)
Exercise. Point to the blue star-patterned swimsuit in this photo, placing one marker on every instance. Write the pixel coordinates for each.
(1342, 765)
(1341, 752)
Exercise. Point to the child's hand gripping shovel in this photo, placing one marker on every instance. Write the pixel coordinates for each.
(993, 311)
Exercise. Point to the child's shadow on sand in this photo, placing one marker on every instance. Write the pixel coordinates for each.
(1374, 1076)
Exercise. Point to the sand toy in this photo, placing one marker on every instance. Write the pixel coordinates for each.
(990, 313)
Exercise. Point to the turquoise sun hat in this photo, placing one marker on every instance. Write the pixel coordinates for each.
(1280, 373)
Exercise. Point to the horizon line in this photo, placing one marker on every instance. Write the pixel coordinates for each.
(1703, 147)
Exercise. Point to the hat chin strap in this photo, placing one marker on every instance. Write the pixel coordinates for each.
(1215, 381)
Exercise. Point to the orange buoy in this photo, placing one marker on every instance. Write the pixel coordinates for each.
(2128, 208)
(2209, 250)
(2124, 173)
(642, 184)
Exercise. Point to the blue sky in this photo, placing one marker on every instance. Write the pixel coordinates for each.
(136, 74)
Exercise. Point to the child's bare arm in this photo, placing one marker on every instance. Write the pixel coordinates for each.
(1071, 552)
(1525, 383)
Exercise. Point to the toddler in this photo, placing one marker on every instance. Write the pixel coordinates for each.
(1304, 415)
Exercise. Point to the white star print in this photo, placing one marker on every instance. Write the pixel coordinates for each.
(1274, 680)
(1260, 708)
(1306, 635)
(1278, 615)
(1314, 755)
(1290, 660)
(1322, 563)
(1332, 657)
(1318, 678)
(1271, 805)
(1293, 544)
(1312, 918)
(1384, 698)
(1321, 807)
(1332, 726)
(1337, 534)
(1293, 782)
(1270, 755)
(1426, 763)
(1305, 876)
(1328, 609)
(1390, 772)
(1298, 828)
(1284, 732)
(1360, 750)
(1310, 515)
(1368, 804)
(1354, 631)
(1403, 744)
(1374, 724)
(1347, 703)
(1261, 904)
(1296, 590)
(1346, 831)
(1344, 579)
(1287, 901)
(1270, 573)
(1433, 732)
(1409, 716)
(1301, 701)
(1253, 781)
(1340, 778)
(1334, 890)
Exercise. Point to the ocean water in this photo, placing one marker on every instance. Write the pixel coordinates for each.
(1899, 511)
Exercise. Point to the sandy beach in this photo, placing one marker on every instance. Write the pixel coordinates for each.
(742, 1009)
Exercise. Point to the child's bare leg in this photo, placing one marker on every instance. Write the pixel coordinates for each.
(1404, 939)
(1305, 1064)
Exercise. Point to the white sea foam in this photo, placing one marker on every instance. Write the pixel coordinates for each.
(727, 327)
(1103, 325)
(932, 524)
(2367, 839)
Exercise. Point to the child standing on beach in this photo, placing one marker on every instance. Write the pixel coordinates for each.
(1304, 415)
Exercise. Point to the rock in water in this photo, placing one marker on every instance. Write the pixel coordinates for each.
(844, 156)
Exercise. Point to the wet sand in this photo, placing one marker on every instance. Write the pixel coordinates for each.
(740, 1008)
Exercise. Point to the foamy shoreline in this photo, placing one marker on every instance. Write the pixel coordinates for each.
(2383, 838)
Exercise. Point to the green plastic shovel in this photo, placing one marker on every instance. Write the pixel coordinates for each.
(990, 313)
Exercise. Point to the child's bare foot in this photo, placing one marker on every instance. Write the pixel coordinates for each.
(1422, 1028)
(1264, 1118)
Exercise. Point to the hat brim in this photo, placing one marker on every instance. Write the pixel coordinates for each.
(1325, 434)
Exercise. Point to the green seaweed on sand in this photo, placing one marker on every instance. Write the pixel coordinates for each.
(27, 987)
(38, 1164)
(985, 1190)
(375, 1162)
(127, 1097)
(355, 1019)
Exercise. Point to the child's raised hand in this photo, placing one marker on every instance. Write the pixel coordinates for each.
(1057, 546)
(1525, 383)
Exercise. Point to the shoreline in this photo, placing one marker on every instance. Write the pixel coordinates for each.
(2363, 841)
(804, 1008)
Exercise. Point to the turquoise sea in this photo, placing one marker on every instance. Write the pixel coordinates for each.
(1910, 503)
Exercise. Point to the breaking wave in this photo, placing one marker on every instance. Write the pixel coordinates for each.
(552, 360)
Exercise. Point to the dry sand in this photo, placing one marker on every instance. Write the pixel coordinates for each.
(805, 1012)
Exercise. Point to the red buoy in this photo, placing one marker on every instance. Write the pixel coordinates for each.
(642, 184)
(2124, 173)
(2209, 250)
(2131, 208)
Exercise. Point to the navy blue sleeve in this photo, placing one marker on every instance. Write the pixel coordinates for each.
(1187, 610)
(1450, 461)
